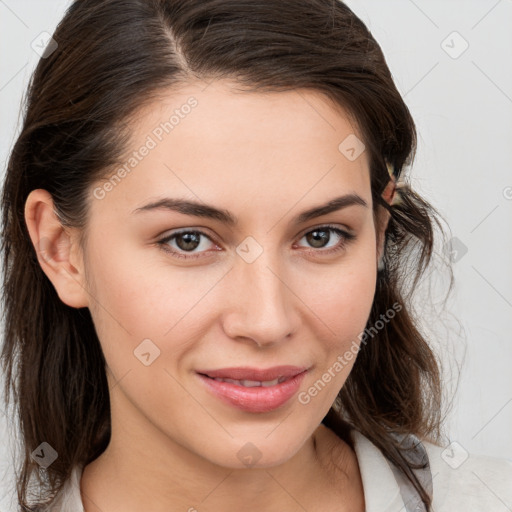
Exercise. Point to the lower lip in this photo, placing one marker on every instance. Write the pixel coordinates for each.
(255, 399)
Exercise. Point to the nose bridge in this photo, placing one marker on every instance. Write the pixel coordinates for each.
(261, 305)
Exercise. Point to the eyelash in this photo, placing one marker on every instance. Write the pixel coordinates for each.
(346, 238)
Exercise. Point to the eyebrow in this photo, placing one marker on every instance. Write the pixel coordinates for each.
(193, 208)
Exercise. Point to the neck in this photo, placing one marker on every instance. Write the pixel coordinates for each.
(142, 464)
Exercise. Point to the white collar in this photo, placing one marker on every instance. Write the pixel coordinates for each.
(381, 489)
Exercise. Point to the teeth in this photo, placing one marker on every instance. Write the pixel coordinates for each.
(268, 383)
(250, 383)
(253, 383)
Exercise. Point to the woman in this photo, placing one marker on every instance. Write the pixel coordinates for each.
(202, 217)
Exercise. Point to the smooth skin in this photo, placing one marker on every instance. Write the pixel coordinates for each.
(265, 158)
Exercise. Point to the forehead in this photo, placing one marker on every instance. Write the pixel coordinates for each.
(214, 142)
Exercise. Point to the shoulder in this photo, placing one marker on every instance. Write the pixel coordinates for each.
(461, 481)
(469, 482)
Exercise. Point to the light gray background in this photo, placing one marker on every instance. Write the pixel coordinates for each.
(462, 104)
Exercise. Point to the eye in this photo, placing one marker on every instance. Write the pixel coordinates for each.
(320, 235)
(188, 241)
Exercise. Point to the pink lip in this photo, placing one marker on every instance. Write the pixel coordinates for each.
(258, 398)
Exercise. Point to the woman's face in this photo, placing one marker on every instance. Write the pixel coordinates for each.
(266, 289)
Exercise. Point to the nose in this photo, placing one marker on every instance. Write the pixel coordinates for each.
(262, 305)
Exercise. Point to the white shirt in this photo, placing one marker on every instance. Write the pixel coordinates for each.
(477, 483)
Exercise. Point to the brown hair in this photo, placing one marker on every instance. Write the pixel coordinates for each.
(115, 56)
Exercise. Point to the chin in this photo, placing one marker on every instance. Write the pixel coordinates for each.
(257, 451)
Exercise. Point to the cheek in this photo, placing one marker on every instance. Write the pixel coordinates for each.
(126, 305)
(138, 297)
(341, 301)
(342, 295)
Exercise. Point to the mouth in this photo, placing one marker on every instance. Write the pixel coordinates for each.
(254, 390)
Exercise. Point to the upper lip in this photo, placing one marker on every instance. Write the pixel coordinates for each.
(256, 374)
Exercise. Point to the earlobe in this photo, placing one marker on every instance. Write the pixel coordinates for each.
(54, 245)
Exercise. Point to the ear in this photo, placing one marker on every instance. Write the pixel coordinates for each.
(383, 216)
(57, 249)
